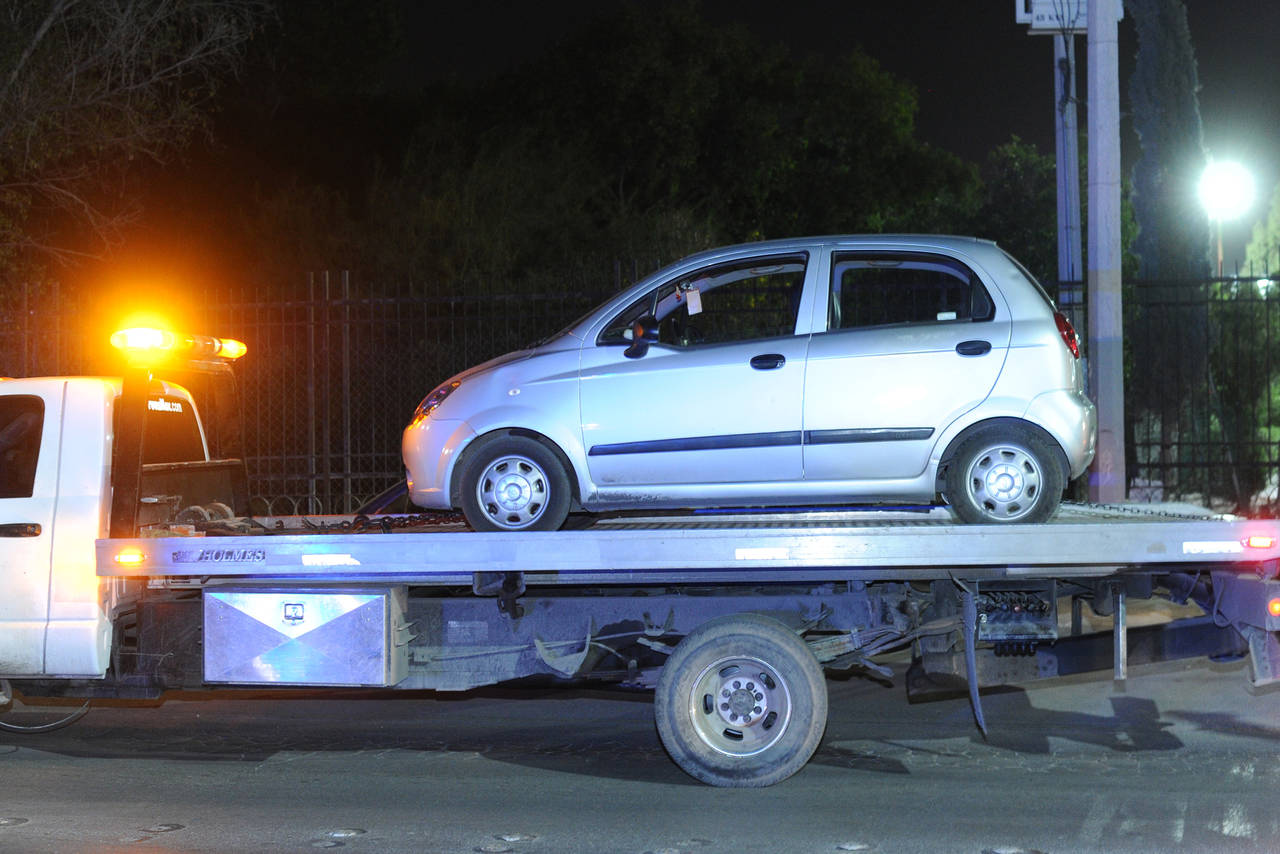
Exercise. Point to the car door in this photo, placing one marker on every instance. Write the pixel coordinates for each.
(716, 398)
(29, 424)
(913, 341)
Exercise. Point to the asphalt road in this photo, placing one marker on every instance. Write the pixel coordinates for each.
(1184, 757)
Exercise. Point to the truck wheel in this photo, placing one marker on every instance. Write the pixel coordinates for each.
(1004, 474)
(742, 702)
(514, 483)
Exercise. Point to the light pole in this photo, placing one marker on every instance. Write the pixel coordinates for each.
(1226, 191)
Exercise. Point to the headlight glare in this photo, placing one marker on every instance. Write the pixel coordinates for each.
(431, 401)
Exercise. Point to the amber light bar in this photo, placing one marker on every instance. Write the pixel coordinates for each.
(142, 342)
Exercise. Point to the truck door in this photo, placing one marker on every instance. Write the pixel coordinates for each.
(30, 426)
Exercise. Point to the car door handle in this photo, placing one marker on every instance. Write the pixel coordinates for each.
(20, 529)
(973, 348)
(768, 361)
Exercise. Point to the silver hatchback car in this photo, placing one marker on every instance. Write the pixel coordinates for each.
(823, 370)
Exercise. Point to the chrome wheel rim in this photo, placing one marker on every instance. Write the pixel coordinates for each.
(1005, 482)
(513, 491)
(740, 706)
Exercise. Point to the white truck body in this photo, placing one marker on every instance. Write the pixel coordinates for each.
(53, 616)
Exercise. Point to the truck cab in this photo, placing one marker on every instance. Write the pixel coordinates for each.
(60, 465)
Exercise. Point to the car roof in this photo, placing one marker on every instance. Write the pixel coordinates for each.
(956, 243)
(949, 241)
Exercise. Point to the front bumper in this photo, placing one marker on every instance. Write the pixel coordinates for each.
(430, 449)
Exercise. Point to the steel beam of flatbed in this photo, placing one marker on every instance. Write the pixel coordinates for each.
(1080, 542)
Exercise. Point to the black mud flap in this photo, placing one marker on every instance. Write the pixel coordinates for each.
(969, 612)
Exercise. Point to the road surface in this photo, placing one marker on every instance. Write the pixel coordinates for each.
(1183, 757)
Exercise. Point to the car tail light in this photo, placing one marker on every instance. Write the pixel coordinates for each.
(1273, 607)
(1068, 333)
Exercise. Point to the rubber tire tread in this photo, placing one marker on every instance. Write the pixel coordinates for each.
(478, 458)
(772, 642)
(1051, 487)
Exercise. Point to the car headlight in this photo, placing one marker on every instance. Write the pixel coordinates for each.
(431, 401)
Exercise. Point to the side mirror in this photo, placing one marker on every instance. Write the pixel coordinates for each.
(643, 333)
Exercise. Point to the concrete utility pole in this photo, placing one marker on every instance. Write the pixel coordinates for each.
(1106, 348)
(1066, 131)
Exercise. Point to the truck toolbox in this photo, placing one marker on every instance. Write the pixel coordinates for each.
(278, 636)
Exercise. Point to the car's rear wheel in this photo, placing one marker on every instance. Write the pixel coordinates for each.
(514, 483)
(1004, 474)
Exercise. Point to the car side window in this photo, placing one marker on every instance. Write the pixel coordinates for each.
(21, 424)
(739, 301)
(882, 289)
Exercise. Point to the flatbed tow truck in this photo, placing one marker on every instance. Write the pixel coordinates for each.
(153, 580)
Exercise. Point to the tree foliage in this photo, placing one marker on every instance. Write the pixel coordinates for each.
(1173, 238)
(1262, 255)
(86, 87)
(653, 134)
(1019, 206)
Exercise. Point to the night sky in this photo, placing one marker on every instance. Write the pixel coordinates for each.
(980, 77)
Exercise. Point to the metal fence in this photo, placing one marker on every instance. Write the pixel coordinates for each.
(333, 375)
(1202, 390)
(330, 380)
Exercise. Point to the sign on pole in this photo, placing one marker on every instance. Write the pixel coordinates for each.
(1050, 17)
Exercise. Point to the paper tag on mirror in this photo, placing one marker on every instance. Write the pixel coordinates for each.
(695, 301)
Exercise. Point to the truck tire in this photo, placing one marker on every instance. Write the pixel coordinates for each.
(1004, 474)
(514, 483)
(741, 702)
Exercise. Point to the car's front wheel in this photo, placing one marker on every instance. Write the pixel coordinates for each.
(514, 483)
(1004, 474)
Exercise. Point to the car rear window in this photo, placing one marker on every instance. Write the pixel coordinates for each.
(881, 289)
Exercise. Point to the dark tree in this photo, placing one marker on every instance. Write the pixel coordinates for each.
(1173, 237)
(654, 133)
(87, 87)
(1019, 206)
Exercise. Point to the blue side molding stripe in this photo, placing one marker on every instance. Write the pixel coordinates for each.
(871, 434)
(765, 440)
(700, 443)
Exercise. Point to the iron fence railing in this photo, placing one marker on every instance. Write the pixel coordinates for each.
(331, 379)
(1203, 392)
(334, 372)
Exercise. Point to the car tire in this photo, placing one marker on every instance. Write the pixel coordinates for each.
(514, 483)
(1002, 475)
(741, 702)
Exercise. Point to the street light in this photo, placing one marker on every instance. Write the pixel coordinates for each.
(1226, 191)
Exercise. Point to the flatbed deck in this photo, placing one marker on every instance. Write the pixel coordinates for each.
(1081, 541)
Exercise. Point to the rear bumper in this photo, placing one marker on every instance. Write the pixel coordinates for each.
(1072, 419)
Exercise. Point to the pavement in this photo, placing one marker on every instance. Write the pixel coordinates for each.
(1183, 756)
